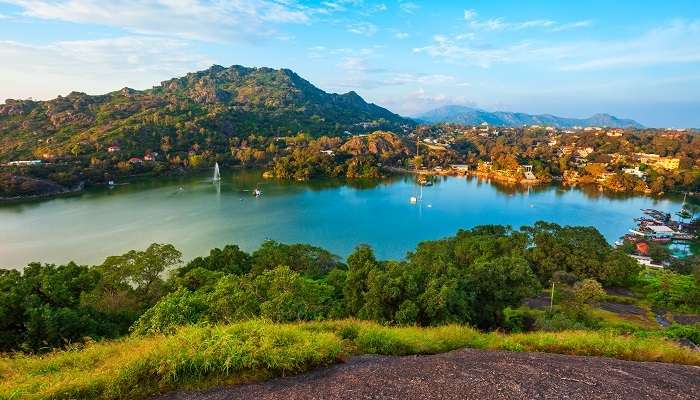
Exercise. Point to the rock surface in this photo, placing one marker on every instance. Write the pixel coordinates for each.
(473, 374)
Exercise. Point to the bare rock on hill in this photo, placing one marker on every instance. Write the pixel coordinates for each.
(474, 374)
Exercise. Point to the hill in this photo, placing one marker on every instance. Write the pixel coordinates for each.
(382, 144)
(473, 116)
(206, 106)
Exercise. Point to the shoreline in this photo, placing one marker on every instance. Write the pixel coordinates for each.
(391, 169)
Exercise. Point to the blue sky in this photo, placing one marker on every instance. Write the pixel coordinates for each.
(632, 59)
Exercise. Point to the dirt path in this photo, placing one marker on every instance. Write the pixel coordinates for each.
(473, 374)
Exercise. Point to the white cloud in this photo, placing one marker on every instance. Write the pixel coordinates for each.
(469, 15)
(402, 35)
(409, 7)
(377, 8)
(94, 66)
(572, 25)
(363, 28)
(499, 24)
(356, 64)
(216, 21)
(667, 44)
(3, 16)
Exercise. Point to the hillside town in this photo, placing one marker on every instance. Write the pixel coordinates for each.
(648, 161)
(621, 160)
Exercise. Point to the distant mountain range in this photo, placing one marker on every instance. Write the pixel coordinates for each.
(473, 116)
(206, 106)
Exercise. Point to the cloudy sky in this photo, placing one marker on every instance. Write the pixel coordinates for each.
(630, 60)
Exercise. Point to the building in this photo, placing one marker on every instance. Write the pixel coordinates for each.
(135, 160)
(113, 148)
(460, 167)
(327, 152)
(527, 171)
(149, 157)
(660, 232)
(25, 162)
(635, 172)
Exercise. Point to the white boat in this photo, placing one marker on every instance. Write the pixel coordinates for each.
(257, 192)
(413, 200)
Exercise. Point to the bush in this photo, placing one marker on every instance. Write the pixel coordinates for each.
(690, 332)
(519, 319)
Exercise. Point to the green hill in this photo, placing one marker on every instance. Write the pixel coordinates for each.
(200, 108)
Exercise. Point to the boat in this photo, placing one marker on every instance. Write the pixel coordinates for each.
(217, 174)
(416, 199)
(257, 192)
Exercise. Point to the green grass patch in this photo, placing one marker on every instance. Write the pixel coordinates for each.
(205, 356)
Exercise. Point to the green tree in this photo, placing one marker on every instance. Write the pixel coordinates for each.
(360, 263)
(136, 273)
(497, 284)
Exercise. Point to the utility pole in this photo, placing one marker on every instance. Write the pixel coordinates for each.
(551, 299)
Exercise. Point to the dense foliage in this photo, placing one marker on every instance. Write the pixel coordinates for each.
(472, 278)
(48, 306)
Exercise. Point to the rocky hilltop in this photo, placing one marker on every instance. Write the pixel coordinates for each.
(208, 105)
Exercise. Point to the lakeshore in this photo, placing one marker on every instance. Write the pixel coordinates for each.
(335, 214)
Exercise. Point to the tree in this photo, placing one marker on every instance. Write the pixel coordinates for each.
(310, 261)
(588, 291)
(137, 272)
(659, 253)
(41, 307)
(178, 308)
(360, 263)
(619, 269)
(497, 284)
(230, 260)
(579, 250)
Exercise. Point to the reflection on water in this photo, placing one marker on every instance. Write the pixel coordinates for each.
(195, 214)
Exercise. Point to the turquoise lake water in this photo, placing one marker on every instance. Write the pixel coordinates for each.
(196, 215)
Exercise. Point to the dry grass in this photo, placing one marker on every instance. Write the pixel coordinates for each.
(202, 356)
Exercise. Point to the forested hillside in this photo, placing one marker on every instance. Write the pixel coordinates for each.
(202, 108)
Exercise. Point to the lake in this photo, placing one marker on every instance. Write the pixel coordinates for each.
(196, 215)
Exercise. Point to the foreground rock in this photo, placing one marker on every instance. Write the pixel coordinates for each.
(474, 374)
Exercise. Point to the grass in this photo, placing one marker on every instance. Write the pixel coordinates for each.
(205, 356)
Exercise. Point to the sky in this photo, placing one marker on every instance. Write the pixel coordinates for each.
(632, 59)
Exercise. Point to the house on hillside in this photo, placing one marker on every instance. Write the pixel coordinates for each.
(24, 162)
